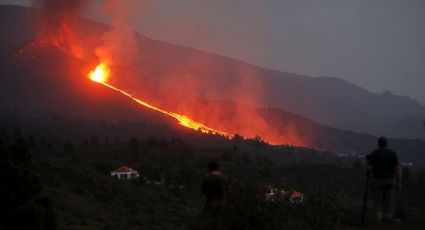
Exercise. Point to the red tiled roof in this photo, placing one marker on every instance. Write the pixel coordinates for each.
(124, 169)
(296, 194)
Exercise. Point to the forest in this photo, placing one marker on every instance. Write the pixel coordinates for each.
(54, 181)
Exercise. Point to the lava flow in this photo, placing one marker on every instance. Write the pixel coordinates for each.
(101, 75)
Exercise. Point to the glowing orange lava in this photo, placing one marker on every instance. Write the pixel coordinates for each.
(101, 75)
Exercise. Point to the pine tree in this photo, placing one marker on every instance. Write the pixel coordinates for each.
(22, 206)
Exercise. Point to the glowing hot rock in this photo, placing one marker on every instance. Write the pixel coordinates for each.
(101, 75)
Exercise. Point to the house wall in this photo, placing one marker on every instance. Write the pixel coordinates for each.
(125, 176)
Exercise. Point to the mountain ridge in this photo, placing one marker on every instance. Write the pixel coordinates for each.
(328, 100)
(49, 90)
(318, 136)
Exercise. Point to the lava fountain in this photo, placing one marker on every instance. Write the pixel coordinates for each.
(101, 75)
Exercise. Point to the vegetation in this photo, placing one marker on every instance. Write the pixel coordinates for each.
(22, 204)
(65, 183)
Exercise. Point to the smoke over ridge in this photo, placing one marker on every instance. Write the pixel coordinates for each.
(176, 89)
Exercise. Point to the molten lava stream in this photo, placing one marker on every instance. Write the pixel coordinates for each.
(101, 74)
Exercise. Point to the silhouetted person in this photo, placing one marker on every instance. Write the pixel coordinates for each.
(213, 189)
(384, 167)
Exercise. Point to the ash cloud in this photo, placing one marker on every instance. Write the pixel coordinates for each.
(58, 23)
(120, 43)
(56, 12)
(184, 77)
(56, 7)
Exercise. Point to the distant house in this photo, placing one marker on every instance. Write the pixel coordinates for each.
(296, 197)
(125, 173)
(274, 194)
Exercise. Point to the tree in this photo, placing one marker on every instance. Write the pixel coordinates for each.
(237, 138)
(421, 179)
(227, 155)
(406, 176)
(246, 158)
(357, 164)
(22, 206)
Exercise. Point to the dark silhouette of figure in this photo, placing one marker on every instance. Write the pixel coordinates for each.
(384, 168)
(213, 189)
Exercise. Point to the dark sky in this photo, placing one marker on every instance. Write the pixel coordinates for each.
(379, 45)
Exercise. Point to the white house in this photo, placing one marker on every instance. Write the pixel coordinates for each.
(125, 173)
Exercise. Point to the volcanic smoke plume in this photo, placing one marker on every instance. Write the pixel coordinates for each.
(56, 10)
(179, 90)
(120, 43)
(58, 23)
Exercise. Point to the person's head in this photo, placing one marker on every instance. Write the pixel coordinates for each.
(213, 166)
(382, 142)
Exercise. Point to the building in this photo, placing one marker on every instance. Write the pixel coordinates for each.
(125, 173)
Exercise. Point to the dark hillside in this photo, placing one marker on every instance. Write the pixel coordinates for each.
(47, 81)
(188, 72)
(75, 176)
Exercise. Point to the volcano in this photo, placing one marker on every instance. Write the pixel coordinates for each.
(41, 79)
(184, 72)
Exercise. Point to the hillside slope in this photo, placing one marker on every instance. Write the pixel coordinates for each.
(43, 80)
(184, 72)
(49, 82)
